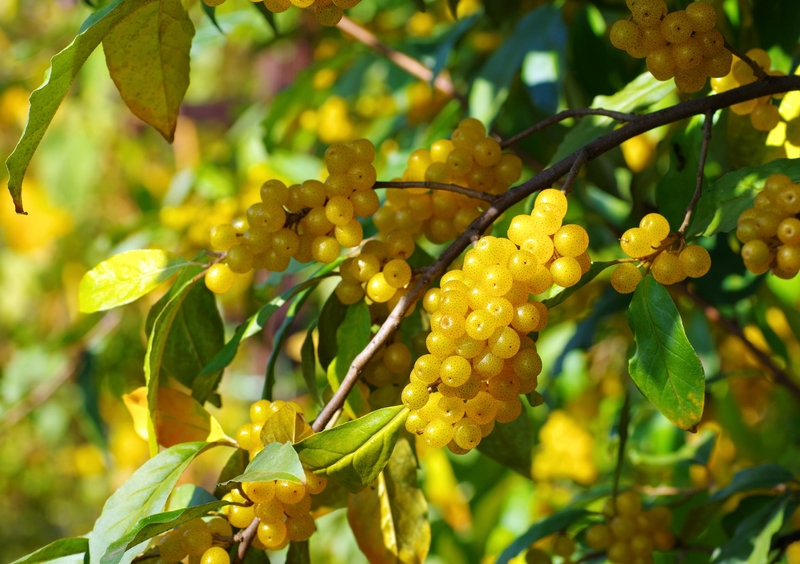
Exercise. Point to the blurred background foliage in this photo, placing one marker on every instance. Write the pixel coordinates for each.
(264, 105)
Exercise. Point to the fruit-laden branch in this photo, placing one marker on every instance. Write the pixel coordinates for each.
(546, 178)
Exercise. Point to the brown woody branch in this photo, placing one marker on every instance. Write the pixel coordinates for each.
(640, 124)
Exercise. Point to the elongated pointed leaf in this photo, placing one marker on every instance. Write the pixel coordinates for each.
(195, 336)
(159, 523)
(752, 539)
(354, 453)
(56, 549)
(511, 444)
(126, 277)
(156, 346)
(147, 54)
(664, 365)
(276, 461)
(389, 518)
(143, 494)
(46, 99)
(351, 337)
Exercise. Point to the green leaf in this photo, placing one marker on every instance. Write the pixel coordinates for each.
(719, 207)
(279, 340)
(194, 336)
(352, 336)
(389, 518)
(546, 527)
(354, 453)
(147, 54)
(159, 523)
(56, 549)
(760, 477)
(145, 493)
(331, 316)
(126, 277)
(664, 365)
(308, 361)
(157, 344)
(46, 99)
(752, 540)
(276, 461)
(538, 32)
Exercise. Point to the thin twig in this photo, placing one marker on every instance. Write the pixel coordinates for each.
(245, 538)
(546, 178)
(701, 165)
(436, 186)
(412, 66)
(567, 114)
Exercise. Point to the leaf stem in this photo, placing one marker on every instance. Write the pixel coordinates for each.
(701, 165)
(567, 114)
(436, 186)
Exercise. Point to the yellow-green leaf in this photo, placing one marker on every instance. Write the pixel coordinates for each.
(354, 453)
(390, 517)
(126, 277)
(147, 54)
(46, 99)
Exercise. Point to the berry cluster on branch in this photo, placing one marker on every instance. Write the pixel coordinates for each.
(480, 357)
(655, 249)
(682, 45)
(202, 540)
(770, 230)
(311, 221)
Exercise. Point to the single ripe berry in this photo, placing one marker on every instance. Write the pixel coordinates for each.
(215, 555)
(626, 277)
(219, 278)
(666, 268)
(637, 243)
(694, 261)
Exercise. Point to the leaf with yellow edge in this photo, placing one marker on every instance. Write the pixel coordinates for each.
(147, 54)
(126, 277)
(179, 418)
(390, 517)
(354, 453)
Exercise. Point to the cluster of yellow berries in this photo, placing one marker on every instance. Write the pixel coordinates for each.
(770, 230)
(480, 357)
(380, 270)
(308, 221)
(196, 539)
(683, 44)
(283, 507)
(468, 159)
(326, 12)
(668, 258)
(764, 115)
(631, 533)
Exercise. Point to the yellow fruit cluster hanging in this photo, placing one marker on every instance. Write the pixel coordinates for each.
(666, 256)
(770, 230)
(682, 45)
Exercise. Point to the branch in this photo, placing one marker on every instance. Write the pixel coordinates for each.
(436, 186)
(771, 85)
(412, 66)
(567, 114)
